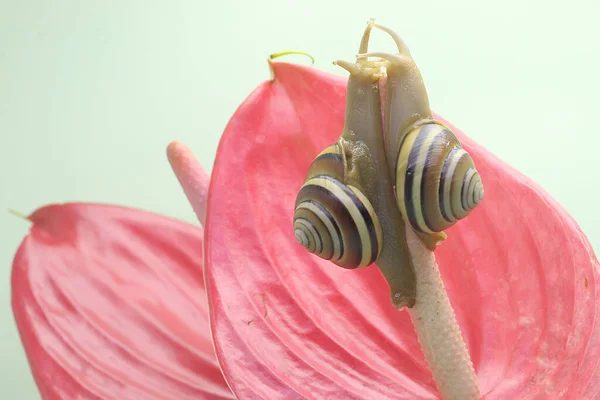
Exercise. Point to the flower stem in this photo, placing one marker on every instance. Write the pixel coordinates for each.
(437, 329)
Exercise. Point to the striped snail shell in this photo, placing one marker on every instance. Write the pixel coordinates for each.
(437, 183)
(333, 220)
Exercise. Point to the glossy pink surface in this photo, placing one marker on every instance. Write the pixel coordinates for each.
(521, 275)
(110, 303)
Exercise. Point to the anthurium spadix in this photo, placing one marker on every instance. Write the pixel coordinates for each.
(521, 277)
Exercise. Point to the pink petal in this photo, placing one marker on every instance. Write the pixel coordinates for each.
(110, 304)
(519, 272)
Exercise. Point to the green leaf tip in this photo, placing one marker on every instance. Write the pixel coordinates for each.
(291, 52)
(19, 214)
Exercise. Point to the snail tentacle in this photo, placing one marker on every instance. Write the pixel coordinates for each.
(402, 47)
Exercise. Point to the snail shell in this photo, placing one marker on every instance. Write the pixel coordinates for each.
(437, 183)
(333, 220)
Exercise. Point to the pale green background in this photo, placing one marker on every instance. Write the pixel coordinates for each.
(91, 92)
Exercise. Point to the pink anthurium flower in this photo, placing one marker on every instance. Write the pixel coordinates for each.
(116, 303)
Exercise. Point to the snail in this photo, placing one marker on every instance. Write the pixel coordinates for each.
(334, 220)
(436, 181)
(345, 210)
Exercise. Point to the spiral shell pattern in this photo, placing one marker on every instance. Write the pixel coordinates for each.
(336, 221)
(437, 183)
